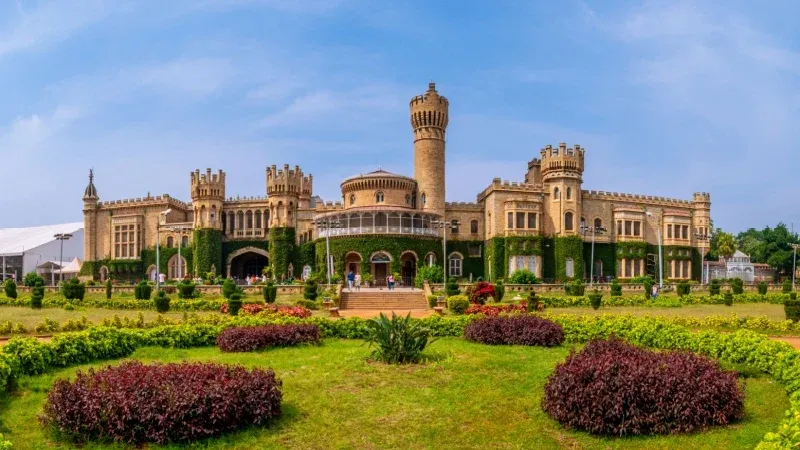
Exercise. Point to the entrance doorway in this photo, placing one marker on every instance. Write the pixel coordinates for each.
(408, 263)
(352, 263)
(247, 265)
(380, 268)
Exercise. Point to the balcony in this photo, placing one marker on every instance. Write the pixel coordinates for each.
(371, 222)
(251, 233)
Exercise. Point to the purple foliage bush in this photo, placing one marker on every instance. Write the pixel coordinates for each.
(136, 403)
(515, 330)
(614, 388)
(248, 339)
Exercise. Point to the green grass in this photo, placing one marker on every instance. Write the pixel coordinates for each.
(466, 396)
(773, 312)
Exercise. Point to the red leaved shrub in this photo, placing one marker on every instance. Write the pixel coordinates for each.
(494, 310)
(248, 339)
(481, 291)
(515, 330)
(614, 388)
(136, 403)
(256, 308)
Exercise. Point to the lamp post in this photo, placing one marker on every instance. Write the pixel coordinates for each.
(703, 238)
(158, 246)
(794, 265)
(180, 231)
(660, 269)
(443, 224)
(595, 230)
(326, 225)
(61, 237)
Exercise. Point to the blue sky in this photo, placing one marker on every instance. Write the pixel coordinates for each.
(669, 98)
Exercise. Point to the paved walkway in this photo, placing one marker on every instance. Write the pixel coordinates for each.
(370, 313)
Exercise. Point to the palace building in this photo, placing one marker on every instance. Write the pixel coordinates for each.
(390, 223)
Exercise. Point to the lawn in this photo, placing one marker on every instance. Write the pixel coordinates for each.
(466, 396)
(773, 312)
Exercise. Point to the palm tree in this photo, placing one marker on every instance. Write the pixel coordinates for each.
(726, 244)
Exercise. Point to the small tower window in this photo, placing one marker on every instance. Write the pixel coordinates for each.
(569, 193)
(568, 217)
(352, 199)
(556, 193)
(424, 199)
(408, 199)
(170, 242)
(379, 197)
(473, 226)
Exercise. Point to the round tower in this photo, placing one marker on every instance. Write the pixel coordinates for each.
(429, 116)
(561, 171)
(287, 190)
(90, 203)
(701, 219)
(208, 193)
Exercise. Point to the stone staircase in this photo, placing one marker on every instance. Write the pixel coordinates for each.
(374, 299)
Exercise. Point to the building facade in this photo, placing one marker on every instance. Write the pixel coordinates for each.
(389, 223)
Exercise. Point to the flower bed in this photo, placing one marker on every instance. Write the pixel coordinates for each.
(617, 389)
(257, 308)
(516, 330)
(136, 403)
(495, 310)
(248, 339)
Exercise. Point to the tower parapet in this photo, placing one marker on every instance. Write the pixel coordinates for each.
(208, 193)
(429, 119)
(561, 162)
(288, 189)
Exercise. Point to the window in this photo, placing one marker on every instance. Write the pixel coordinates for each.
(455, 264)
(556, 194)
(474, 250)
(637, 228)
(598, 223)
(473, 226)
(517, 262)
(570, 268)
(379, 197)
(568, 225)
(619, 228)
(510, 224)
(424, 199)
(408, 199)
(583, 224)
(454, 226)
(125, 241)
(686, 231)
(669, 231)
(531, 220)
(520, 220)
(569, 193)
(628, 228)
(170, 242)
(185, 241)
(176, 267)
(352, 199)
(249, 216)
(258, 219)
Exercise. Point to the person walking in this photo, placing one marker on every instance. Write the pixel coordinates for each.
(391, 282)
(358, 281)
(654, 292)
(350, 279)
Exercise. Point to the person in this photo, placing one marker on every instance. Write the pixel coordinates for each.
(357, 279)
(654, 292)
(350, 279)
(248, 280)
(391, 282)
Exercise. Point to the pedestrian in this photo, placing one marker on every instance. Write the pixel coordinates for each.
(358, 281)
(391, 282)
(654, 292)
(350, 279)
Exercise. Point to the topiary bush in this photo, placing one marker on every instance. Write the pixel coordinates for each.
(109, 289)
(762, 288)
(451, 288)
(684, 288)
(399, 340)
(228, 288)
(37, 295)
(515, 330)
(791, 308)
(458, 304)
(186, 290)
(248, 339)
(31, 278)
(614, 388)
(595, 299)
(136, 403)
(142, 291)
(499, 291)
(575, 288)
(648, 287)
(162, 301)
(73, 289)
(234, 303)
(728, 298)
(311, 289)
(737, 285)
(714, 287)
(270, 292)
(786, 287)
(10, 288)
(616, 289)
(533, 302)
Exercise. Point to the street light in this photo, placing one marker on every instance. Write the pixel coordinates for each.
(660, 269)
(61, 237)
(444, 225)
(703, 238)
(158, 246)
(180, 231)
(326, 225)
(794, 265)
(595, 230)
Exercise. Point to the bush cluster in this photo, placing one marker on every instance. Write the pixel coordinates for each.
(248, 339)
(495, 310)
(186, 290)
(515, 330)
(142, 290)
(737, 285)
(73, 289)
(162, 301)
(10, 289)
(614, 388)
(458, 304)
(257, 308)
(136, 403)
(31, 279)
(575, 288)
(792, 310)
(523, 276)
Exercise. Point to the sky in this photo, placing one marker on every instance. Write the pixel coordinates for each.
(668, 98)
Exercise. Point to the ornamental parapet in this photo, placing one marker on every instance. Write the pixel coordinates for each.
(635, 198)
(377, 221)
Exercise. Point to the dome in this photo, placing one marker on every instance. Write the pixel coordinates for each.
(380, 173)
(90, 191)
(379, 188)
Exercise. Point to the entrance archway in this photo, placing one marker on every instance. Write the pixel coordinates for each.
(408, 264)
(352, 262)
(151, 273)
(380, 267)
(246, 262)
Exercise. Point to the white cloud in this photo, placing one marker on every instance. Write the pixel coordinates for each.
(28, 134)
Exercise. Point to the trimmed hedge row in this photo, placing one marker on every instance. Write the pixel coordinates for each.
(515, 330)
(641, 300)
(130, 304)
(27, 356)
(248, 339)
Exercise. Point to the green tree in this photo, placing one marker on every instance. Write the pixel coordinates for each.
(726, 244)
(772, 246)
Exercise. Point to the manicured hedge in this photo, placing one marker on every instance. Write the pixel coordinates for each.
(248, 339)
(642, 300)
(614, 388)
(515, 330)
(136, 403)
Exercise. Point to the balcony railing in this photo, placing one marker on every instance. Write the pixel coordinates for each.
(248, 233)
(378, 229)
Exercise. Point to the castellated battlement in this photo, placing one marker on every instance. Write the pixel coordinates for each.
(145, 201)
(330, 206)
(207, 185)
(288, 181)
(562, 159)
(429, 110)
(702, 197)
(463, 206)
(623, 197)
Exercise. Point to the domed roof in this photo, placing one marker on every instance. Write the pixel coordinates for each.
(90, 191)
(380, 173)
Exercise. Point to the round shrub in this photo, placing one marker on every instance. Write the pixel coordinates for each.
(432, 299)
(162, 302)
(186, 290)
(616, 288)
(762, 288)
(248, 339)
(235, 303)
(73, 289)
(10, 288)
(792, 309)
(523, 276)
(136, 403)
(458, 303)
(31, 278)
(737, 285)
(614, 388)
(595, 299)
(515, 330)
(684, 288)
(452, 288)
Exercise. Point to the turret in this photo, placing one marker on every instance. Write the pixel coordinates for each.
(288, 189)
(90, 200)
(534, 174)
(701, 219)
(208, 193)
(561, 170)
(429, 118)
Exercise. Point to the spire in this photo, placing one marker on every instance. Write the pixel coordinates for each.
(91, 191)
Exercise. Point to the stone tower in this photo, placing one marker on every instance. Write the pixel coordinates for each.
(90, 201)
(287, 189)
(562, 173)
(429, 116)
(208, 193)
(701, 219)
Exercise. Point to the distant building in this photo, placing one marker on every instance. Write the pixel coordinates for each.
(740, 266)
(22, 250)
(55, 271)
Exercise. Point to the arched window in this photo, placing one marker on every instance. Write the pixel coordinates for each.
(424, 199)
(352, 199)
(170, 242)
(556, 193)
(240, 219)
(379, 197)
(598, 223)
(455, 264)
(249, 215)
(430, 259)
(569, 193)
(570, 268)
(454, 226)
(408, 199)
(568, 225)
(176, 267)
(583, 224)
(257, 217)
(185, 241)
(473, 226)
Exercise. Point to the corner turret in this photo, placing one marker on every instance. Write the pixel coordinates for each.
(429, 119)
(208, 193)
(287, 189)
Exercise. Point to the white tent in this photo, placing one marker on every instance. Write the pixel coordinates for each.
(22, 250)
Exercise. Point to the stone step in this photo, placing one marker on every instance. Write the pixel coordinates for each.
(378, 300)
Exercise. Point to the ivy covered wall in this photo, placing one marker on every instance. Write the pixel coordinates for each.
(493, 255)
(306, 255)
(605, 252)
(471, 265)
(207, 251)
(164, 255)
(232, 246)
(568, 247)
(367, 245)
(549, 258)
(282, 251)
